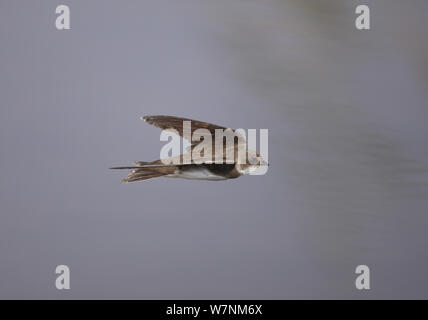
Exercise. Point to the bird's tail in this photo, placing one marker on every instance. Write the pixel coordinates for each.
(147, 170)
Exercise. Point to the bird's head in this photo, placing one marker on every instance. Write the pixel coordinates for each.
(253, 162)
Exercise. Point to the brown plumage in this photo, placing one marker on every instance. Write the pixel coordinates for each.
(203, 171)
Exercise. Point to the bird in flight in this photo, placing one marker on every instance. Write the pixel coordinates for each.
(220, 166)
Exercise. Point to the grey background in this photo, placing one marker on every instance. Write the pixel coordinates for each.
(346, 110)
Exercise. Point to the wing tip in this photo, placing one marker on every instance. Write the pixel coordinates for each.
(158, 116)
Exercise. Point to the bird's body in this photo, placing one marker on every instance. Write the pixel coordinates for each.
(206, 172)
(177, 167)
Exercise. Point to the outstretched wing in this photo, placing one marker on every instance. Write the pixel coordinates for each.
(176, 124)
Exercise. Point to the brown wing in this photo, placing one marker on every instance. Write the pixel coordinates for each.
(176, 123)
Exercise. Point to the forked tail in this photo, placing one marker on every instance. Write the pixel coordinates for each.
(147, 170)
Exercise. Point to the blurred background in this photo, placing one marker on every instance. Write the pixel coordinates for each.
(346, 112)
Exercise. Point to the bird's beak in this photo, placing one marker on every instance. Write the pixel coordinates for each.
(264, 163)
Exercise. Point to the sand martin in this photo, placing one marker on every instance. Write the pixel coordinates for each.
(220, 167)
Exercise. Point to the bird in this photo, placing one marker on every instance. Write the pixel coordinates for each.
(220, 167)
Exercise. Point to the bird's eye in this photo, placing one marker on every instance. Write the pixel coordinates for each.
(255, 160)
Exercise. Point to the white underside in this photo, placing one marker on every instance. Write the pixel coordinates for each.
(196, 174)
